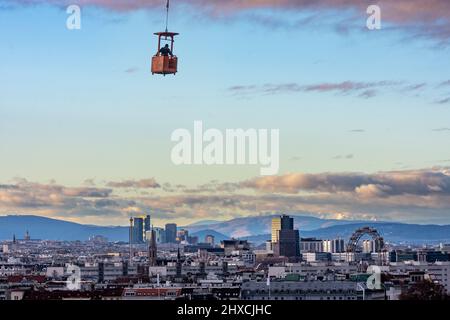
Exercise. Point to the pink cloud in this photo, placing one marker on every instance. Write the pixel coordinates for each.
(400, 11)
(418, 18)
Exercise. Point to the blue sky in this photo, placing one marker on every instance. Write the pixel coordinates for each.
(79, 105)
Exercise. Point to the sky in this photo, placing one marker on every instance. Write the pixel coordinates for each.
(364, 115)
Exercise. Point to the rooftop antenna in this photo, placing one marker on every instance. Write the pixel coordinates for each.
(131, 240)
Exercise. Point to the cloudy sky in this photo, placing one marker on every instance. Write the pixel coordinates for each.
(364, 116)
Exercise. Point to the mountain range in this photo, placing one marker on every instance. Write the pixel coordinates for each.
(255, 229)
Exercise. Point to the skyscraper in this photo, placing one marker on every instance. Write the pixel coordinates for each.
(280, 223)
(182, 235)
(131, 241)
(152, 250)
(209, 239)
(171, 232)
(138, 230)
(276, 226)
(160, 235)
(147, 223)
(333, 246)
(287, 240)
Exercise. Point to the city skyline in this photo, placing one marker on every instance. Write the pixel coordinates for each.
(285, 267)
(363, 114)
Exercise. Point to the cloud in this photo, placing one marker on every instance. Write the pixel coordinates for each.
(415, 87)
(132, 70)
(346, 86)
(136, 184)
(443, 101)
(37, 196)
(346, 156)
(363, 89)
(89, 182)
(368, 94)
(408, 182)
(419, 19)
(407, 195)
(360, 89)
(373, 190)
(443, 129)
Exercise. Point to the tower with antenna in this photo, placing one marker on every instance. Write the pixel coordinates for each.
(152, 249)
(130, 242)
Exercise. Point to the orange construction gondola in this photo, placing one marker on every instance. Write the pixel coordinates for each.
(165, 63)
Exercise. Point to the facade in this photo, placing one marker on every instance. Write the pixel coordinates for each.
(152, 250)
(147, 224)
(316, 256)
(160, 235)
(333, 246)
(368, 246)
(280, 223)
(438, 271)
(107, 271)
(403, 255)
(209, 239)
(288, 244)
(285, 239)
(171, 232)
(276, 226)
(138, 230)
(182, 235)
(318, 271)
(301, 290)
(231, 246)
(151, 293)
(311, 245)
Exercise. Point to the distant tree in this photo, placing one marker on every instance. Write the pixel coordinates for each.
(425, 290)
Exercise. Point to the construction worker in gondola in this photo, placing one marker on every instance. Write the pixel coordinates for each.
(165, 51)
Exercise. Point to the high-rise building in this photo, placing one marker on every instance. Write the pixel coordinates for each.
(130, 242)
(285, 239)
(282, 222)
(138, 230)
(368, 246)
(182, 235)
(152, 250)
(311, 245)
(171, 232)
(192, 239)
(276, 226)
(147, 224)
(333, 246)
(160, 235)
(209, 239)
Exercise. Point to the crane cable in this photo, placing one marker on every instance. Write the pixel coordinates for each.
(167, 15)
